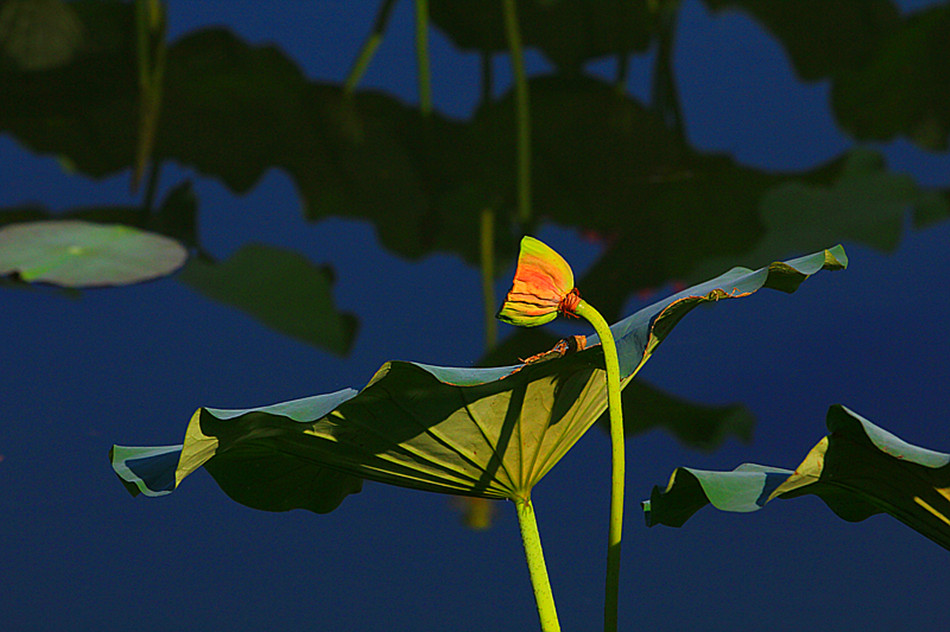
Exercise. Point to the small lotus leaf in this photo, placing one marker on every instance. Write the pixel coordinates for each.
(859, 469)
(74, 253)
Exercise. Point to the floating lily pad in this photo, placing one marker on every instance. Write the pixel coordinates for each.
(73, 253)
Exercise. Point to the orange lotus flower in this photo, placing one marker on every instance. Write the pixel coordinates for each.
(543, 287)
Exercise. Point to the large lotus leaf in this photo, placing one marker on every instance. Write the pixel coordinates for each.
(281, 289)
(645, 407)
(822, 38)
(73, 253)
(568, 32)
(602, 162)
(859, 470)
(485, 432)
(904, 88)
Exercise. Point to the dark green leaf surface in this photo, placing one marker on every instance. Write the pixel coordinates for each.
(602, 162)
(84, 111)
(864, 203)
(859, 470)
(568, 32)
(489, 432)
(281, 289)
(646, 408)
(40, 35)
(822, 38)
(904, 88)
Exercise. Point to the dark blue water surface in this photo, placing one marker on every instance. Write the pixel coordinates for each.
(130, 365)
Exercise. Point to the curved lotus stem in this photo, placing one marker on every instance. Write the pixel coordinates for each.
(617, 461)
(542, 288)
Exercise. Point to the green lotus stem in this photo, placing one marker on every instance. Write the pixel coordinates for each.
(150, 40)
(362, 62)
(487, 226)
(612, 583)
(536, 567)
(368, 50)
(422, 56)
(665, 100)
(521, 105)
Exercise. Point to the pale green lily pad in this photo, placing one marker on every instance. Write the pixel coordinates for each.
(484, 432)
(74, 253)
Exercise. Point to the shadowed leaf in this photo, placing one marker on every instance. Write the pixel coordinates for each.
(864, 203)
(84, 111)
(568, 32)
(859, 470)
(40, 34)
(281, 289)
(904, 88)
(822, 38)
(699, 426)
(602, 162)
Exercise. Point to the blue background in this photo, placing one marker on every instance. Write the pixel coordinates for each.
(130, 365)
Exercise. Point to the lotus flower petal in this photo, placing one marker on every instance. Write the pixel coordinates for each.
(543, 279)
